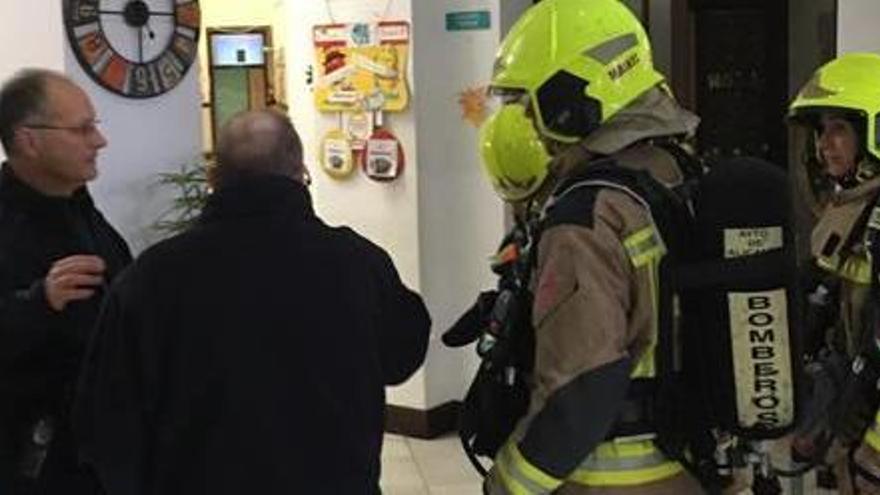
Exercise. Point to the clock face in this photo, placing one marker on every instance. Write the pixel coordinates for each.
(136, 48)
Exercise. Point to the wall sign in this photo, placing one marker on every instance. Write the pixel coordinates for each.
(468, 21)
(135, 48)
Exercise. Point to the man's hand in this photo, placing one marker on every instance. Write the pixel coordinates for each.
(73, 278)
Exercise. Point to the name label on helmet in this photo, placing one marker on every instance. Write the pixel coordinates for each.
(761, 360)
(619, 70)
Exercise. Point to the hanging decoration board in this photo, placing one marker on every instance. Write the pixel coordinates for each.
(383, 158)
(336, 154)
(361, 66)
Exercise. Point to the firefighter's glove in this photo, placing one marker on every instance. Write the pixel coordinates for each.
(821, 314)
(473, 322)
(826, 377)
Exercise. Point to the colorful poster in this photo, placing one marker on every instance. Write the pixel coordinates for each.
(361, 67)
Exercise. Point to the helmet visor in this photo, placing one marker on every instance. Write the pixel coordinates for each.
(513, 155)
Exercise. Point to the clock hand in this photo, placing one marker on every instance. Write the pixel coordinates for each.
(140, 32)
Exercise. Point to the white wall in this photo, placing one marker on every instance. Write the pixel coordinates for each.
(440, 221)
(40, 24)
(386, 213)
(461, 219)
(145, 137)
(37, 22)
(857, 26)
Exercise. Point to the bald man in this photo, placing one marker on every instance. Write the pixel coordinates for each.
(56, 254)
(250, 354)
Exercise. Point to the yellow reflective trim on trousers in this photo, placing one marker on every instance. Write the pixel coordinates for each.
(645, 367)
(627, 478)
(622, 449)
(625, 463)
(520, 476)
(511, 484)
(856, 268)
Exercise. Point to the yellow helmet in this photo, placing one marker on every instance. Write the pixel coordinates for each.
(849, 84)
(512, 153)
(579, 62)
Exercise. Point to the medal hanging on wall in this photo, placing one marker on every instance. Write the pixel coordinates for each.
(358, 126)
(336, 158)
(383, 159)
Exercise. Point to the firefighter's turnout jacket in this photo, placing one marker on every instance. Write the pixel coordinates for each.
(596, 319)
(838, 246)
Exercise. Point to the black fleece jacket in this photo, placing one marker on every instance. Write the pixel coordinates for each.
(249, 355)
(40, 349)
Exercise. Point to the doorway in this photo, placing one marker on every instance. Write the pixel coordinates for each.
(240, 71)
(735, 74)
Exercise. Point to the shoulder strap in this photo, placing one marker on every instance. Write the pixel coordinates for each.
(872, 241)
(864, 225)
(605, 173)
(872, 247)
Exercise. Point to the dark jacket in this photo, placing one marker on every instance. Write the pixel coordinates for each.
(40, 349)
(249, 355)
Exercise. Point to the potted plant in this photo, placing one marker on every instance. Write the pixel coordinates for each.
(191, 192)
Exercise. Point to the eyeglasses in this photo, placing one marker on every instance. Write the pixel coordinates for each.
(83, 130)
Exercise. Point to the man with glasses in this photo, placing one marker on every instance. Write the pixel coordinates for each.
(57, 254)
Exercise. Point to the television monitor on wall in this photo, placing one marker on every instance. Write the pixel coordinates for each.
(237, 49)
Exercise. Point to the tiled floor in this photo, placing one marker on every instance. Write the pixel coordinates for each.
(439, 467)
(427, 467)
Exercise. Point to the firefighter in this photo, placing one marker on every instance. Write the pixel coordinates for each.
(578, 89)
(835, 115)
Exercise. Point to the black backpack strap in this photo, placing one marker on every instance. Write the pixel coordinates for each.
(872, 244)
(692, 168)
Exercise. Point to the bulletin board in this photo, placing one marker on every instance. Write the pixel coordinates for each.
(361, 66)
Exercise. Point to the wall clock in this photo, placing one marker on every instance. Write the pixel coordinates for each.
(135, 48)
